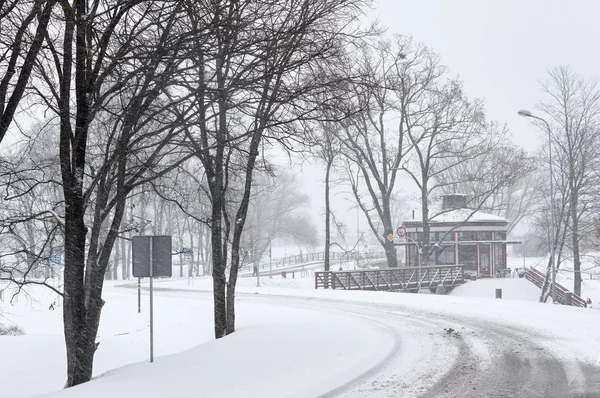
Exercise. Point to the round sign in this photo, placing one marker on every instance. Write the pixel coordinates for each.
(401, 231)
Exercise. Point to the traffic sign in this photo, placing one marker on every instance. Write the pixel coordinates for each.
(390, 237)
(158, 253)
(401, 231)
(188, 252)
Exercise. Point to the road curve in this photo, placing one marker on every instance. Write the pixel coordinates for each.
(440, 356)
(477, 359)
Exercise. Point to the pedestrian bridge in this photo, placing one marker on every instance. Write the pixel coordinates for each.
(392, 279)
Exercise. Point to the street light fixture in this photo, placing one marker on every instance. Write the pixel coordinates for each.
(526, 113)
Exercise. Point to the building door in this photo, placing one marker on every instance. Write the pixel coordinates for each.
(485, 265)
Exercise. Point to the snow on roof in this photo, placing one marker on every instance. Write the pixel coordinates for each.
(460, 215)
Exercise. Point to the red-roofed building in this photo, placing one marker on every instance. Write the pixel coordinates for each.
(463, 236)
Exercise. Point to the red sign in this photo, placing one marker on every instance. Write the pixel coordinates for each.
(401, 231)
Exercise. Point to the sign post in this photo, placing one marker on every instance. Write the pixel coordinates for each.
(151, 258)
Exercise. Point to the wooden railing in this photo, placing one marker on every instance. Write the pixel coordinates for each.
(543, 282)
(395, 279)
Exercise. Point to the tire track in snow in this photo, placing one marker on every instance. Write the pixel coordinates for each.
(493, 360)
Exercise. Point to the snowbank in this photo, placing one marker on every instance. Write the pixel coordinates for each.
(277, 351)
(512, 289)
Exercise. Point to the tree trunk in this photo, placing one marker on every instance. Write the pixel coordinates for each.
(390, 254)
(124, 259)
(233, 273)
(79, 339)
(327, 215)
(388, 246)
(201, 255)
(424, 254)
(129, 249)
(575, 242)
(116, 261)
(124, 253)
(218, 269)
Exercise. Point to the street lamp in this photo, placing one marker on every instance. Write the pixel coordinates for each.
(526, 113)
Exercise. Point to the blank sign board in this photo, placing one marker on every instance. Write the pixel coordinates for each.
(161, 256)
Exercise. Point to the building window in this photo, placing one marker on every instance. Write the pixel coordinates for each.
(466, 236)
(467, 255)
(499, 235)
(446, 237)
(499, 260)
(484, 236)
(445, 255)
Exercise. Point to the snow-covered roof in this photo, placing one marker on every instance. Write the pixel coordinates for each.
(460, 215)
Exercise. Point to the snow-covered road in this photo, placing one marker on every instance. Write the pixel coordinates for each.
(298, 342)
(437, 354)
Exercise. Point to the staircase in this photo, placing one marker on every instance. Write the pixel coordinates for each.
(540, 280)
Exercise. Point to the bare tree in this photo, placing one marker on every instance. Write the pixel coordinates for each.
(252, 68)
(515, 198)
(23, 26)
(327, 148)
(374, 137)
(573, 112)
(103, 74)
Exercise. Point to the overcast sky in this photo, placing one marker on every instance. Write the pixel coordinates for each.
(501, 49)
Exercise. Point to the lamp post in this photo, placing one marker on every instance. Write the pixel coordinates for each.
(526, 113)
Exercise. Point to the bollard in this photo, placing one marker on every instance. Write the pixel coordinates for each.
(283, 274)
(568, 298)
(498, 293)
(293, 275)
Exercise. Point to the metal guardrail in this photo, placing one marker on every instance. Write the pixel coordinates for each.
(541, 281)
(392, 279)
(333, 256)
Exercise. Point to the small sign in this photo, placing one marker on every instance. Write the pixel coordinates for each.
(401, 231)
(390, 237)
(56, 259)
(188, 252)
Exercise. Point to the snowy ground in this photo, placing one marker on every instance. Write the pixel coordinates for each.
(512, 289)
(295, 341)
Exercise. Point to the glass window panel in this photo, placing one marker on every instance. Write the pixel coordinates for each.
(445, 255)
(499, 235)
(446, 237)
(499, 259)
(484, 235)
(467, 255)
(467, 235)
